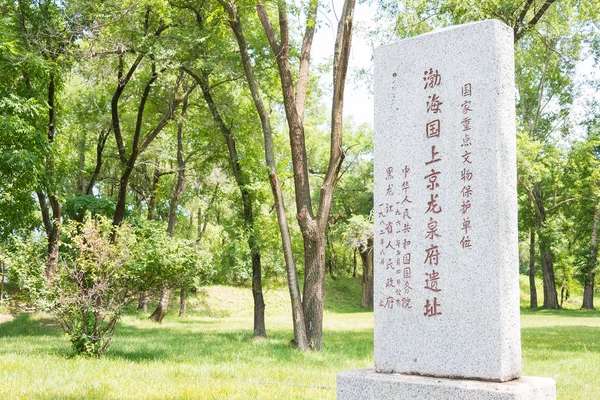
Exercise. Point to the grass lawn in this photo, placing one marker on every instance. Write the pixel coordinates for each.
(211, 354)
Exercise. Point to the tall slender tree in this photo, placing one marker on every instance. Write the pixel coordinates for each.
(312, 225)
(300, 336)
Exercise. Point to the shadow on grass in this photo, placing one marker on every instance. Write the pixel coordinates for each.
(162, 343)
(26, 324)
(185, 341)
(543, 341)
(173, 344)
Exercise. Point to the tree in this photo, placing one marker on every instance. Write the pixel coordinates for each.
(203, 77)
(307, 319)
(161, 309)
(22, 137)
(583, 181)
(43, 28)
(294, 96)
(300, 334)
(359, 235)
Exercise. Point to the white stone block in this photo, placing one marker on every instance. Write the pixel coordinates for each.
(367, 384)
(446, 244)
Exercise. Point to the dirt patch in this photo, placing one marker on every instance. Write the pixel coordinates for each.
(6, 318)
(49, 322)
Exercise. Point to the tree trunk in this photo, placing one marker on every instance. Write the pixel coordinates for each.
(314, 285)
(550, 294)
(300, 333)
(153, 193)
(354, 263)
(163, 305)
(178, 191)
(331, 262)
(81, 165)
(366, 256)
(203, 219)
(119, 215)
(144, 297)
(143, 302)
(202, 224)
(257, 293)
(588, 288)
(1, 282)
(51, 223)
(52, 228)
(102, 137)
(533, 303)
(182, 302)
(53, 245)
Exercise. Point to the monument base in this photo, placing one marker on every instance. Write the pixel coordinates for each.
(366, 384)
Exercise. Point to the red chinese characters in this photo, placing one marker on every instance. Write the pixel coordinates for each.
(404, 274)
(466, 172)
(395, 226)
(433, 132)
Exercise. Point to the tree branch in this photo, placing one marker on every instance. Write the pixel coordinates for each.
(340, 67)
(302, 81)
(45, 212)
(102, 137)
(142, 106)
(519, 21)
(167, 115)
(531, 197)
(538, 15)
(268, 27)
(562, 202)
(236, 27)
(123, 81)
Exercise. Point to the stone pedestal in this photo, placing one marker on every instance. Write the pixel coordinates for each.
(366, 384)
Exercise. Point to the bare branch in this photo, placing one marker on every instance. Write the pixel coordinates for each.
(560, 203)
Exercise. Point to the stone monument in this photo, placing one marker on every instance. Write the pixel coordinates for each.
(446, 282)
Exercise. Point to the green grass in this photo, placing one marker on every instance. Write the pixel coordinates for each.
(211, 354)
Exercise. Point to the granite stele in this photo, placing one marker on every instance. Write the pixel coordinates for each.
(446, 255)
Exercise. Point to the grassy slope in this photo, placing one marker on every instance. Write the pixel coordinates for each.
(211, 354)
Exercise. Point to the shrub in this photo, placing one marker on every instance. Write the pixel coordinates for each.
(96, 278)
(92, 284)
